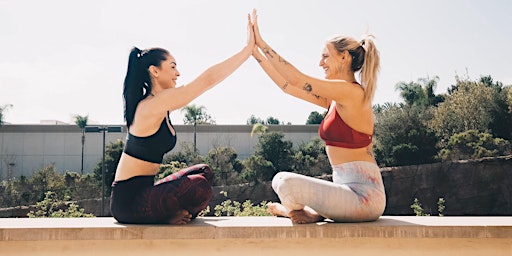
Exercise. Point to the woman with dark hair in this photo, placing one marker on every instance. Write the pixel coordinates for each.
(357, 192)
(150, 94)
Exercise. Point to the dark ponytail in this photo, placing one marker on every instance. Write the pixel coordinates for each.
(137, 83)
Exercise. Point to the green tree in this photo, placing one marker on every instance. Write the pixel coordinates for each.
(272, 120)
(113, 153)
(255, 120)
(402, 135)
(258, 128)
(272, 154)
(47, 179)
(420, 93)
(315, 117)
(2, 111)
(196, 115)
(225, 165)
(81, 121)
(469, 106)
(311, 159)
(473, 144)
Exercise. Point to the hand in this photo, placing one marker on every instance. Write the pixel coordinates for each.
(257, 54)
(256, 29)
(250, 33)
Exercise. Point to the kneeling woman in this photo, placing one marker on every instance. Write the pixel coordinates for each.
(150, 93)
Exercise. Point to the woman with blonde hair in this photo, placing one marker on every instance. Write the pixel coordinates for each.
(357, 192)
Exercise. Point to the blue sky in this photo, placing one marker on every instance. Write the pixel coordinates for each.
(61, 58)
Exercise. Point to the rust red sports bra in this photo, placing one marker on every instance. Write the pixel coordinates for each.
(335, 132)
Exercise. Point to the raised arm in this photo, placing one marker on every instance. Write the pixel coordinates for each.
(175, 98)
(341, 91)
(284, 85)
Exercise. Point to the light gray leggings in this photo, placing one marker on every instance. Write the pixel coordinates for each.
(356, 193)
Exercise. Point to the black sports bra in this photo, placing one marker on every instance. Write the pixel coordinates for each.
(151, 148)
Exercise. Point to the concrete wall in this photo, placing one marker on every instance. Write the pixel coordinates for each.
(28, 148)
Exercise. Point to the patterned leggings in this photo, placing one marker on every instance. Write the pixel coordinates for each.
(356, 193)
(141, 200)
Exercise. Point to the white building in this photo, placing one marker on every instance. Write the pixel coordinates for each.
(25, 149)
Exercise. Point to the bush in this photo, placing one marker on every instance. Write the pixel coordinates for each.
(234, 208)
(52, 207)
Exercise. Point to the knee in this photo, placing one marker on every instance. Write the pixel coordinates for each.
(284, 181)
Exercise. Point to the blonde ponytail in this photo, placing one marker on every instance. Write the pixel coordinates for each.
(370, 68)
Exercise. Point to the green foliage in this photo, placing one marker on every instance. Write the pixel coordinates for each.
(315, 117)
(272, 120)
(2, 111)
(472, 144)
(258, 128)
(470, 106)
(311, 159)
(420, 93)
(81, 121)
(168, 169)
(196, 115)
(254, 120)
(113, 153)
(187, 154)
(53, 207)
(272, 154)
(440, 206)
(234, 208)
(28, 191)
(225, 165)
(418, 210)
(402, 136)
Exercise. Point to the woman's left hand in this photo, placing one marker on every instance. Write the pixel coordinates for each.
(259, 40)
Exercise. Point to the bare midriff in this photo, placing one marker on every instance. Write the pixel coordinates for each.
(130, 166)
(339, 155)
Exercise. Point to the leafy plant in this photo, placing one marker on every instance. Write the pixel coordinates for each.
(418, 210)
(234, 208)
(52, 207)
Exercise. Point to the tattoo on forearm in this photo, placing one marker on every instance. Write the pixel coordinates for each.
(316, 96)
(258, 60)
(282, 60)
(285, 85)
(307, 87)
(268, 52)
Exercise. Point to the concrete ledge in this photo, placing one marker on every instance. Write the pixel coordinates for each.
(259, 236)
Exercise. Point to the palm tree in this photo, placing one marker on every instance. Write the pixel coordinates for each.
(196, 115)
(81, 121)
(259, 129)
(420, 93)
(2, 109)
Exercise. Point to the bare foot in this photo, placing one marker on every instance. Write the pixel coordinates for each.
(181, 217)
(277, 209)
(306, 215)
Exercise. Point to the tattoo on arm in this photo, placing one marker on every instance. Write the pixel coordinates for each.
(307, 87)
(316, 96)
(267, 52)
(258, 60)
(285, 85)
